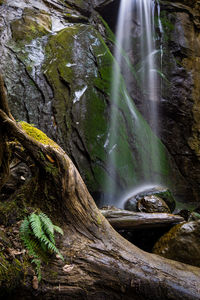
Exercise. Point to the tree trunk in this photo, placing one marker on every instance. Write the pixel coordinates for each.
(99, 263)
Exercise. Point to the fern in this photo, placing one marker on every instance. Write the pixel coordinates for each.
(58, 229)
(51, 246)
(36, 225)
(37, 234)
(48, 227)
(24, 228)
(37, 262)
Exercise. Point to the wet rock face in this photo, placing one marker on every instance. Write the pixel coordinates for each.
(57, 69)
(33, 24)
(181, 243)
(180, 96)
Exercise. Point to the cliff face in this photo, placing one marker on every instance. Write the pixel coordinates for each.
(180, 104)
(56, 61)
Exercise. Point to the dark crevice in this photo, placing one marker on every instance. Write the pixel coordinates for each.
(110, 13)
(85, 12)
(86, 153)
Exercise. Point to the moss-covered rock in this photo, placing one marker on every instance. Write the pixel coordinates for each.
(80, 75)
(10, 212)
(15, 264)
(33, 24)
(10, 274)
(181, 243)
(72, 95)
(79, 69)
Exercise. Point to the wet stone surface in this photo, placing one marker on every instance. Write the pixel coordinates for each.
(157, 199)
(181, 243)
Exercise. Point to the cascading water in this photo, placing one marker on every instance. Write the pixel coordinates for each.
(111, 142)
(142, 13)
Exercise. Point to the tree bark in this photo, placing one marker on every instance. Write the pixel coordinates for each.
(99, 263)
(4, 153)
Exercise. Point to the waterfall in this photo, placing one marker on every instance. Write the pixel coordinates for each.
(144, 13)
(134, 14)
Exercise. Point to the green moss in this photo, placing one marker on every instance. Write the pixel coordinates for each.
(167, 21)
(10, 212)
(52, 275)
(50, 168)
(11, 272)
(37, 134)
(166, 238)
(99, 221)
(79, 60)
(33, 24)
(109, 34)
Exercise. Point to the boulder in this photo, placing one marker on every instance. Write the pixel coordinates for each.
(194, 216)
(181, 243)
(163, 195)
(151, 204)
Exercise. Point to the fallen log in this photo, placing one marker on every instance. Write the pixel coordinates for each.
(124, 219)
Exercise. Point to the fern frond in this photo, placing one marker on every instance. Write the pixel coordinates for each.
(58, 229)
(30, 244)
(37, 262)
(47, 226)
(37, 234)
(36, 225)
(24, 228)
(51, 246)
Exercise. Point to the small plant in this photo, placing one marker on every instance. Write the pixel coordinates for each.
(37, 233)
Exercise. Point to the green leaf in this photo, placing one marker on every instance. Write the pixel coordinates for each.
(36, 225)
(47, 226)
(38, 262)
(37, 234)
(58, 229)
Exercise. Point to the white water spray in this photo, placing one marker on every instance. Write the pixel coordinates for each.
(142, 12)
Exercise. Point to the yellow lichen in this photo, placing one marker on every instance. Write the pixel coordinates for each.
(162, 243)
(99, 221)
(37, 134)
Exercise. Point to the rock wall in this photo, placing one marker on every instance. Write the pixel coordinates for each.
(57, 66)
(180, 103)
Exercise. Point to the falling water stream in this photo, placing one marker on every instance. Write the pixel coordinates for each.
(142, 13)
